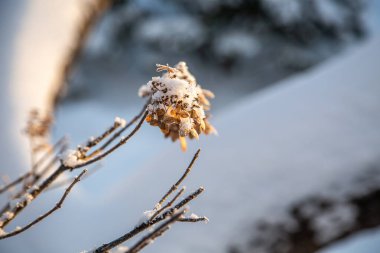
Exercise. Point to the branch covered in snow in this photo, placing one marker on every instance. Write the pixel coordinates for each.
(170, 214)
(185, 101)
(160, 230)
(72, 159)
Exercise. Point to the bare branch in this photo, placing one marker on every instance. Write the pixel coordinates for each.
(148, 224)
(55, 208)
(34, 193)
(175, 186)
(67, 181)
(118, 133)
(149, 238)
(190, 219)
(97, 140)
(15, 182)
(116, 146)
(48, 181)
(169, 204)
(58, 144)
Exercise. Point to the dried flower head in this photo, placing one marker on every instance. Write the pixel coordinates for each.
(37, 129)
(177, 104)
(38, 124)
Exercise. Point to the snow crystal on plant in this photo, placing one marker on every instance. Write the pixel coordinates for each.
(157, 207)
(2, 232)
(28, 197)
(146, 216)
(120, 249)
(194, 216)
(23, 200)
(144, 91)
(185, 125)
(6, 216)
(173, 87)
(120, 121)
(71, 158)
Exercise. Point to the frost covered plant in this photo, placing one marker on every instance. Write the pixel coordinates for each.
(178, 104)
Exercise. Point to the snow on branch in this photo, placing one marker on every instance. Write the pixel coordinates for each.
(187, 103)
(70, 160)
(165, 215)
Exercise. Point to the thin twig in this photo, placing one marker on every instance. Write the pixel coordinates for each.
(48, 181)
(146, 240)
(116, 146)
(169, 204)
(92, 170)
(175, 186)
(15, 182)
(36, 177)
(62, 142)
(97, 140)
(34, 167)
(148, 224)
(26, 187)
(118, 133)
(34, 193)
(55, 208)
(189, 219)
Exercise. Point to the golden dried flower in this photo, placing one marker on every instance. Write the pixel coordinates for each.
(178, 104)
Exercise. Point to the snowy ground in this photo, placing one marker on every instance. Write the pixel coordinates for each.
(275, 147)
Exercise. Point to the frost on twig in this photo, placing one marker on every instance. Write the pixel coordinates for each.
(178, 104)
(161, 213)
(74, 159)
(183, 115)
(160, 230)
(40, 218)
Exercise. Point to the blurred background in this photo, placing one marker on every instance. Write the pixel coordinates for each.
(297, 108)
(238, 47)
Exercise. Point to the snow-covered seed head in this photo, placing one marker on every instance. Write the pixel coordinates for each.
(177, 104)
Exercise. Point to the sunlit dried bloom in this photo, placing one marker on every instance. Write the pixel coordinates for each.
(177, 104)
